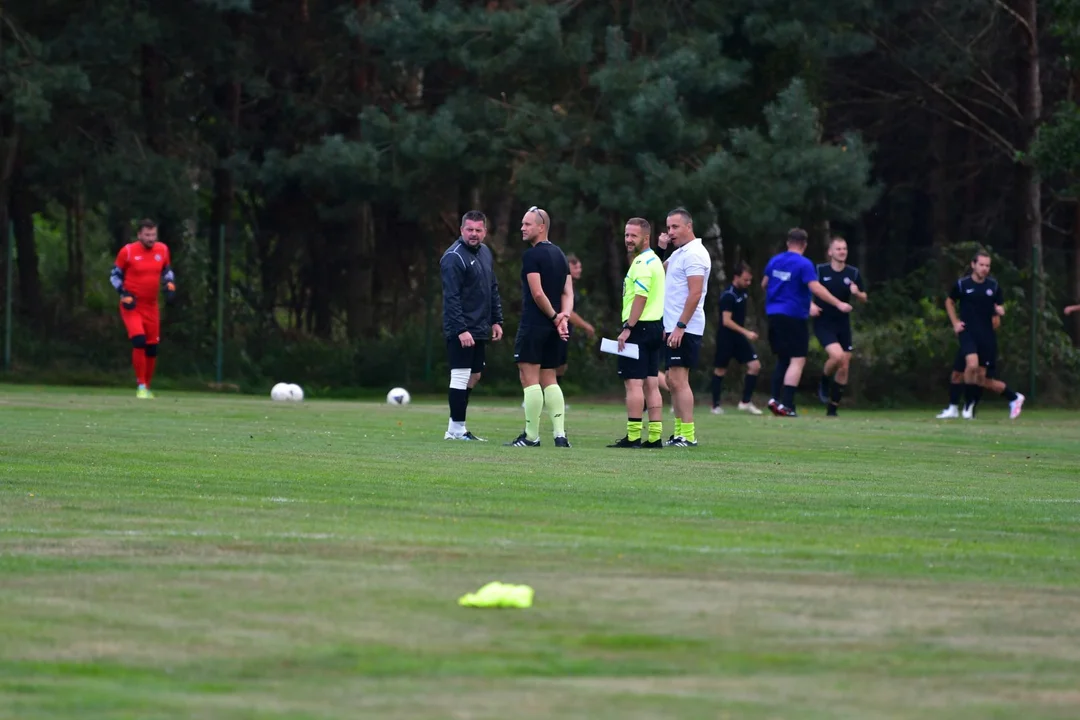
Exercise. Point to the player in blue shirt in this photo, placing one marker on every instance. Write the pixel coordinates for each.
(789, 281)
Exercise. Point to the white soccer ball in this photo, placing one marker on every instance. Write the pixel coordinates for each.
(295, 393)
(279, 393)
(398, 396)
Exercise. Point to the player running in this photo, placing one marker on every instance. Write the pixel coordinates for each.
(733, 340)
(832, 327)
(685, 288)
(141, 269)
(538, 351)
(643, 325)
(980, 300)
(789, 281)
(472, 315)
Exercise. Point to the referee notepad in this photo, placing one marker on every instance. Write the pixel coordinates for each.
(629, 350)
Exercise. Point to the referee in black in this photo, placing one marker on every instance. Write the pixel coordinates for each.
(547, 301)
(472, 314)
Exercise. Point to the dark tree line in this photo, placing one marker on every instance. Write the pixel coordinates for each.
(333, 144)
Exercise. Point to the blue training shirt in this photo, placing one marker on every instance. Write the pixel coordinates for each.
(788, 291)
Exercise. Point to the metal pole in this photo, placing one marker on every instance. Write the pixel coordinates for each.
(220, 362)
(1035, 287)
(8, 288)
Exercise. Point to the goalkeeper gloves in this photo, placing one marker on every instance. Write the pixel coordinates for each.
(170, 291)
(127, 300)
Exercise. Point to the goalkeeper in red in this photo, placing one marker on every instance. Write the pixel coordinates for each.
(141, 269)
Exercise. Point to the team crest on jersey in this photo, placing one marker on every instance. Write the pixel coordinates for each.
(157, 258)
(989, 292)
(847, 281)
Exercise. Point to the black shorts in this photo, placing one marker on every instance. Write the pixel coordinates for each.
(960, 364)
(539, 345)
(828, 332)
(648, 335)
(732, 345)
(686, 355)
(474, 358)
(788, 336)
(983, 344)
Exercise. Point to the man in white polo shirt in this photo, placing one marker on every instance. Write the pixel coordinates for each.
(684, 318)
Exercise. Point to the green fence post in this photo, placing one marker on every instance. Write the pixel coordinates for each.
(220, 360)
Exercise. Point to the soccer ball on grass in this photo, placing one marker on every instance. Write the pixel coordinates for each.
(286, 392)
(398, 396)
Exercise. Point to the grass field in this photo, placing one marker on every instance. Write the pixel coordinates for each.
(210, 557)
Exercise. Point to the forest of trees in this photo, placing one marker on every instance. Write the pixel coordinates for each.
(333, 145)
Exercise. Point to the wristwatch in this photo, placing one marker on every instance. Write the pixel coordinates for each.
(627, 326)
(681, 325)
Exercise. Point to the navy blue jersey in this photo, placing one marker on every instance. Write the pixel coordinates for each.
(977, 301)
(839, 284)
(733, 300)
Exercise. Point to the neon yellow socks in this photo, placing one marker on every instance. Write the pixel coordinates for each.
(678, 427)
(656, 431)
(534, 405)
(556, 407)
(688, 432)
(633, 429)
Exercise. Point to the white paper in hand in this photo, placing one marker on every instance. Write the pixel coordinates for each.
(629, 350)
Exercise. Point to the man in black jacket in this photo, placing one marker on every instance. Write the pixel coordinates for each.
(472, 315)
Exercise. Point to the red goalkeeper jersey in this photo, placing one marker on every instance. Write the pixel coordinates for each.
(142, 271)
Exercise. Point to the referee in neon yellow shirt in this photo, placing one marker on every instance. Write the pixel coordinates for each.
(643, 325)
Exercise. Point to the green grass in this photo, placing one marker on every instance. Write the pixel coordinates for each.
(211, 557)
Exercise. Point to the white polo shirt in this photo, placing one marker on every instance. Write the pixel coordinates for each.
(689, 260)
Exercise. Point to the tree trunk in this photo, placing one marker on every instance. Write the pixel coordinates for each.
(152, 98)
(80, 244)
(22, 218)
(501, 232)
(119, 228)
(69, 236)
(715, 238)
(1075, 298)
(360, 257)
(616, 263)
(9, 147)
(227, 99)
(939, 198)
(971, 188)
(1029, 101)
(360, 265)
(320, 310)
(75, 288)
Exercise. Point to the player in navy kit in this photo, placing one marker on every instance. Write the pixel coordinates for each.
(980, 299)
(832, 327)
(733, 340)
